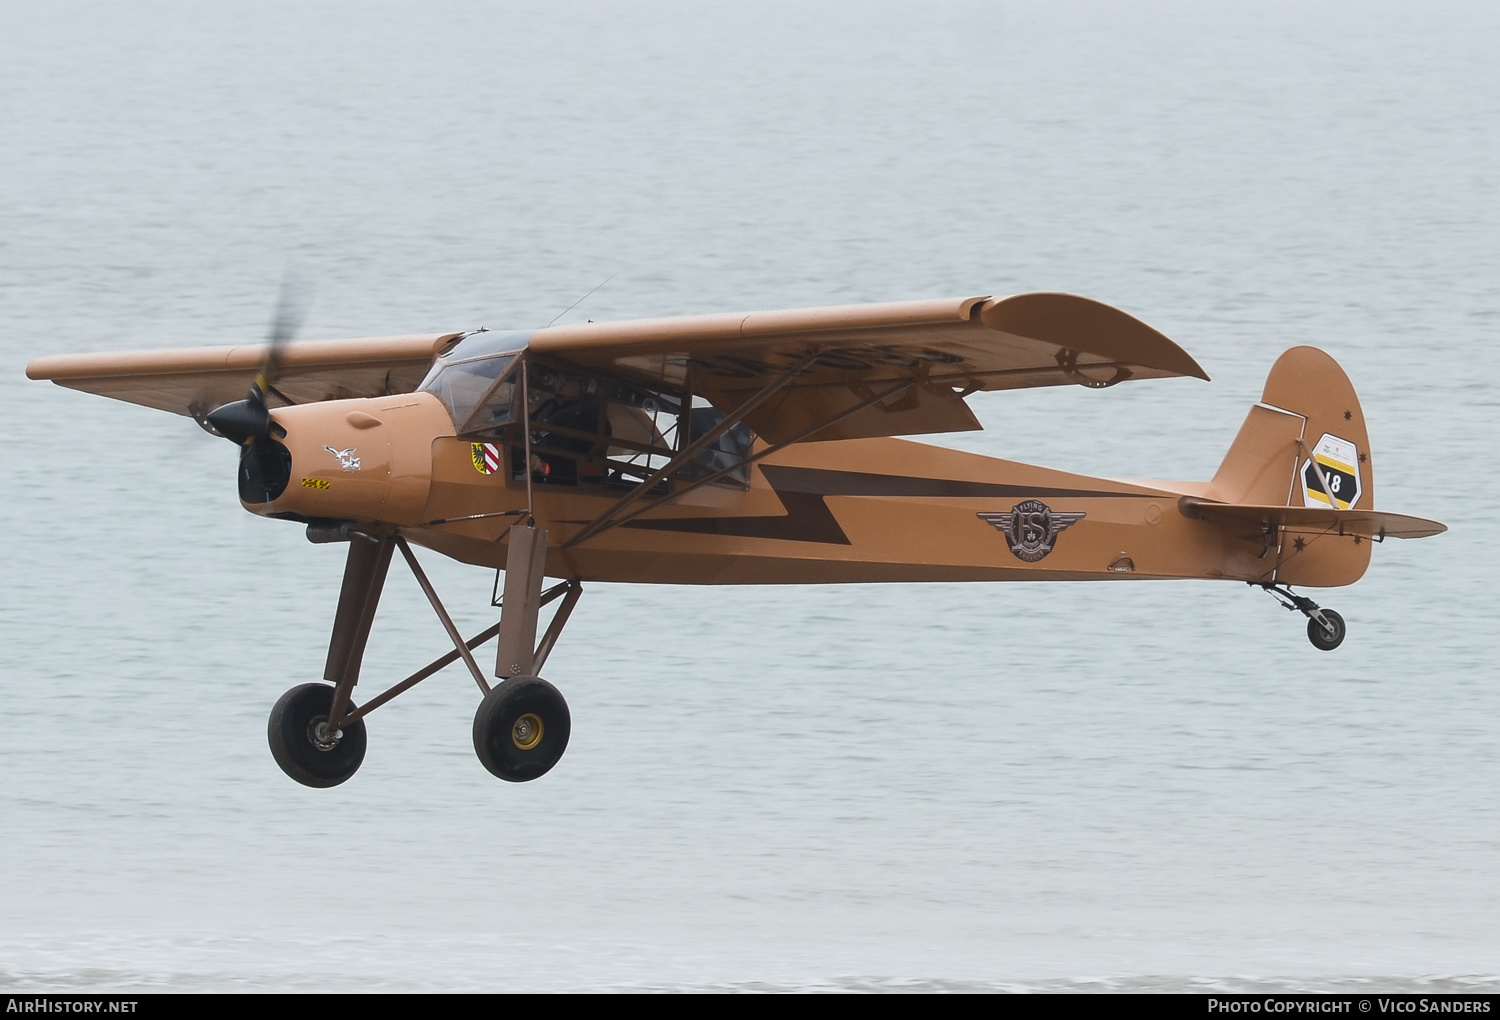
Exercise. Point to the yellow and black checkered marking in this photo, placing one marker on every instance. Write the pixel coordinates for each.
(315, 483)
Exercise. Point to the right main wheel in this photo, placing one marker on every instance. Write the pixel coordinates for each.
(1323, 637)
(521, 729)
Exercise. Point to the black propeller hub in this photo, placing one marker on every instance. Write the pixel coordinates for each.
(242, 421)
(265, 464)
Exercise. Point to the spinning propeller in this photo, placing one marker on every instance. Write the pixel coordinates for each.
(265, 464)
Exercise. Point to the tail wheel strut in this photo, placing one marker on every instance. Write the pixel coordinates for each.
(1325, 628)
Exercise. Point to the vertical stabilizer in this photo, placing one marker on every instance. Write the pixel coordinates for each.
(1305, 445)
(1308, 382)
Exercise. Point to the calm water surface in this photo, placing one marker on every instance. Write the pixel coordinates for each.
(865, 787)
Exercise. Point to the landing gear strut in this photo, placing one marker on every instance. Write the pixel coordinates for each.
(522, 726)
(1325, 628)
(317, 733)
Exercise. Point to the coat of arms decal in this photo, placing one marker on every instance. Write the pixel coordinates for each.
(486, 457)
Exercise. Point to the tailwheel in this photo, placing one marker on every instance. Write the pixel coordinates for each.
(521, 729)
(1325, 628)
(1327, 633)
(304, 746)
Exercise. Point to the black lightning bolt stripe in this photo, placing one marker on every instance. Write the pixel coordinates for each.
(808, 519)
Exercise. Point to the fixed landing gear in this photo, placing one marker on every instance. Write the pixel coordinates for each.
(305, 746)
(1325, 628)
(521, 729)
(317, 733)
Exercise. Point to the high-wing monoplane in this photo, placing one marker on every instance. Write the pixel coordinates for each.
(733, 449)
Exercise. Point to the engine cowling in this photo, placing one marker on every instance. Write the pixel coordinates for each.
(367, 459)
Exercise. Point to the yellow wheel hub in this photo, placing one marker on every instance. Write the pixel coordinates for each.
(527, 732)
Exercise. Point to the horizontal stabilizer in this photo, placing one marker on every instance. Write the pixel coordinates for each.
(1311, 519)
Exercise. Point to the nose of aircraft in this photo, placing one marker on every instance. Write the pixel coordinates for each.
(366, 460)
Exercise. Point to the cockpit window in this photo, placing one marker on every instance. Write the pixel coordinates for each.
(587, 430)
(486, 343)
(584, 429)
(472, 382)
(729, 450)
(462, 386)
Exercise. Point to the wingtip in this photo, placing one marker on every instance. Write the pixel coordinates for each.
(40, 369)
(1088, 324)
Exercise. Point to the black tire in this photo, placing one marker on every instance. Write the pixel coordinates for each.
(521, 729)
(1323, 638)
(294, 744)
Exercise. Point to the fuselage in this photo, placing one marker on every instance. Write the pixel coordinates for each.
(851, 510)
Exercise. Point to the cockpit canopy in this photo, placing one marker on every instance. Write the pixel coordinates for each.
(474, 380)
(584, 429)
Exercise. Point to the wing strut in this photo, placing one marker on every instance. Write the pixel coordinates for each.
(762, 454)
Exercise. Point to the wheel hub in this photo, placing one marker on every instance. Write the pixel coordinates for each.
(527, 731)
(319, 735)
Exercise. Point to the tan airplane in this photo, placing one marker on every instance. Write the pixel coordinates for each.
(734, 449)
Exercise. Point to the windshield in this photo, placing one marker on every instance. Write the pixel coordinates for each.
(470, 382)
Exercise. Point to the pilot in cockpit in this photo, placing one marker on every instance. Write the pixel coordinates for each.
(573, 405)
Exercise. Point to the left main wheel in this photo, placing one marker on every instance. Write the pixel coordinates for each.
(521, 729)
(302, 744)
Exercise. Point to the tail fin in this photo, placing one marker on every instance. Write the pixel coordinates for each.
(1305, 445)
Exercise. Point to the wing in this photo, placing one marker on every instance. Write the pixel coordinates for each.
(943, 349)
(193, 381)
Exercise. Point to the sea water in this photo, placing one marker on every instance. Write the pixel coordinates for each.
(963, 786)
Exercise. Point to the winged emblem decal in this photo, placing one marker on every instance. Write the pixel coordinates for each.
(1032, 527)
